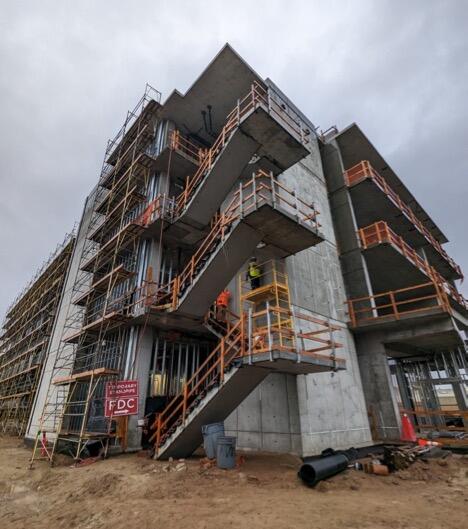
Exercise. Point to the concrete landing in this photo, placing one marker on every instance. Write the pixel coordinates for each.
(398, 271)
(275, 226)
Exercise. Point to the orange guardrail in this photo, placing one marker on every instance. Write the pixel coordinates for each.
(178, 142)
(257, 96)
(364, 170)
(394, 304)
(208, 374)
(236, 343)
(380, 232)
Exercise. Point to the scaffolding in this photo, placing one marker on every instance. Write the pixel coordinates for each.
(25, 339)
(95, 333)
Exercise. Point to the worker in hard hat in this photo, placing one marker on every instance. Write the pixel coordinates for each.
(254, 273)
(222, 302)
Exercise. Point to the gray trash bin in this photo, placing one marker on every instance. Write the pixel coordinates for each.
(211, 433)
(226, 452)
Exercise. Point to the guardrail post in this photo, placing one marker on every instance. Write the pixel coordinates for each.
(175, 292)
(158, 433)
(273, 189)
(296, 205)
(254, 190)
(351, 313)
(296, 342)
(332, 343)
(249, 330)
(221, 364)
(184, 409)
(394, 305)
(270, 338)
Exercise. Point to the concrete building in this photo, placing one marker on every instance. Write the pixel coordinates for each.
(350, 271)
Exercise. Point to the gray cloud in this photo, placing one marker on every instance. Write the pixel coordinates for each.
(70, 71)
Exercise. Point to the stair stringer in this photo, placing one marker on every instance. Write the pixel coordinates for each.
(216, 406)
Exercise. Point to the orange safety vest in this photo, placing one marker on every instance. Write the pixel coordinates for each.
(223, 299)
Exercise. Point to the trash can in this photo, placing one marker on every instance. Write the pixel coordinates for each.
(226, 452)
(211, 433)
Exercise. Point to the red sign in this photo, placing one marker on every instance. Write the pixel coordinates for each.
(121, 398)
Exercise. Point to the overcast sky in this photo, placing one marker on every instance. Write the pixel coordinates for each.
(71, 69)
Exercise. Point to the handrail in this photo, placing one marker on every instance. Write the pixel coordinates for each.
(380, 232)
(366, 309)
(257, 96)
(235, 344)
(363, 170)
(178, 142)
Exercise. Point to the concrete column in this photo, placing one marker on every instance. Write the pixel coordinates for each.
(378, 388)
(140, 372)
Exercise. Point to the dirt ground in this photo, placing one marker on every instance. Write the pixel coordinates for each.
(135, 492)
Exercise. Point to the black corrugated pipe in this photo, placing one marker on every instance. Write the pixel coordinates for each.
(314, 471)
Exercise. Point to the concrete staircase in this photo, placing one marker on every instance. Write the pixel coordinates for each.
(261, 210)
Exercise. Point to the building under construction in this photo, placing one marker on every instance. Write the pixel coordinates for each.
(27, 329)
(341, 301)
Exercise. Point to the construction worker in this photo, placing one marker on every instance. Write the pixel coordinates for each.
(253, 273)
(222, 302)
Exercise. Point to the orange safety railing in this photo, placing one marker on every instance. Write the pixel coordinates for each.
(364, 170)
(274, 328)
(209, 374)
(178, 142)
(397, 303)
(236, 344)
(380, 232)
(261, 189)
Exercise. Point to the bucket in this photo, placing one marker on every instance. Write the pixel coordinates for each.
(226, 452)
(211, 433)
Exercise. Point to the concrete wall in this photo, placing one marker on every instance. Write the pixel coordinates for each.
(268, 419)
